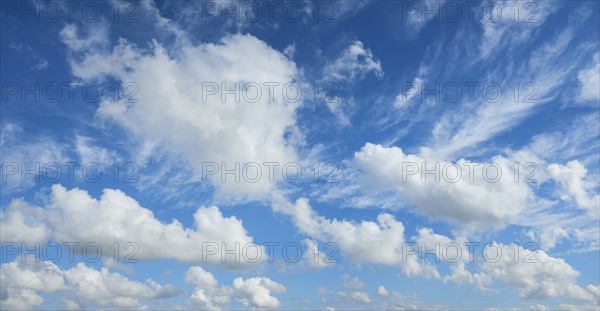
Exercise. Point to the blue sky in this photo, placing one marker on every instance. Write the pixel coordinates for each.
(319, 155)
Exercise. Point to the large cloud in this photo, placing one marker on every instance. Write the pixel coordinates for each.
(24, 282)
(180, 103)
(535, 274)
(473, 197)
(380, 242)
(116, 217)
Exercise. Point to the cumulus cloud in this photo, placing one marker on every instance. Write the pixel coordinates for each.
(319, 259)
(23, 283)
(382, 291)
(480, 197)
(547, 238)
(116, 217)
(538, 275)
(534, 273)
(380, 242)
(181, 104)
(573, 181)
(255, 292)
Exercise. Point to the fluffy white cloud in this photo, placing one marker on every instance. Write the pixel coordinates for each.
(535, 274)
(474, 199)
(538, 275)
(448, 250)
(116, 217)
(95, 37)
(382, 291)
(22, 222)
(24, 282)
(253, 292)
(256, 292)
(590, 81)
(353, 63)
(380, 242)
(548, 237)
(106, 288)
(181, 104)
(318, 259)
(572, 178)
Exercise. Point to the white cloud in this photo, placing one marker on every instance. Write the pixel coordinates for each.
(89, 152)
(535, 274)
(116, 217)
(22, 222)
(256, 292)
(382, 291)
(106, 288)
(476, 202)
(353, 63)
(538, 275)
(542, 76)
(25, 153)
(253, 292)
(380, 242)
(459, 273)
(419, 14)
(403, 100)
(24, 282)
(96, 37)
(317, 259)
(548, 237)
(339, 107)
(502, 30)
(580, 140)
(351, 292)
(590, 81)
(350, 8)
(572, 178)
(180, 115)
